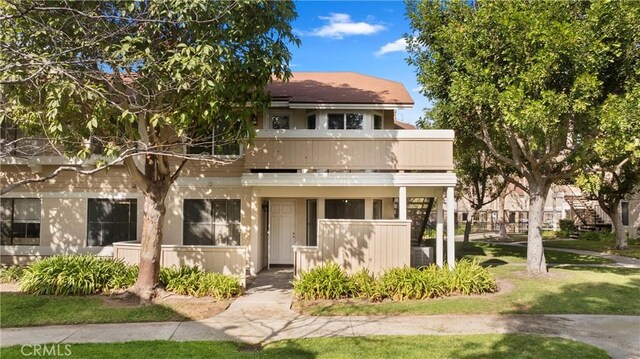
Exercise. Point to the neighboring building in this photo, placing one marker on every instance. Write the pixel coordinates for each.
(563, 202)
(326, 178)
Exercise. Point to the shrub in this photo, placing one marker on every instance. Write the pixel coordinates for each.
(196, 282)
(403, 283)
(11, 274)
(365, 285)
(325, 282)
(75, 275)
(567, 226)
(597, 236)
(471, 278)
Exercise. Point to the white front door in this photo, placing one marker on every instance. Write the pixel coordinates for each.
(282, 236)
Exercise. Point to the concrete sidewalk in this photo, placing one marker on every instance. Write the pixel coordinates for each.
(263, 315)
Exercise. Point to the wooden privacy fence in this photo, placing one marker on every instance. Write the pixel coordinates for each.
(376, 245)
(231, 260)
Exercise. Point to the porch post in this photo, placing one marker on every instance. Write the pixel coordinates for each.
(451, 232)
(402, 203)
(439, 231)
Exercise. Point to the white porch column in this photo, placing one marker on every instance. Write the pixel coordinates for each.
(368, 208)
(451, 231)
(402, 203)
(439, 231)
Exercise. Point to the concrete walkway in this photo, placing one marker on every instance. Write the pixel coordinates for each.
(264, 315)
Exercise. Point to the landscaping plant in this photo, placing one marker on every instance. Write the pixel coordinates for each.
(11, 274)
(597, 236)
(196, 282)
(325, 282)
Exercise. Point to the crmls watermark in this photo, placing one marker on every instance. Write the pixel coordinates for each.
(46, 350)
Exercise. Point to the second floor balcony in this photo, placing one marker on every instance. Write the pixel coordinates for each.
(337, 150)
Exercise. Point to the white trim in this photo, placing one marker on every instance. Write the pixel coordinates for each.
(349, 106)
(49, 251)
(51, 160)
(348, 179)
(208, 181)
(359, 134)
(63, 194)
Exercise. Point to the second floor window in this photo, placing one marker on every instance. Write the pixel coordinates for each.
(348, 121)
(280, 122)
(220, 143)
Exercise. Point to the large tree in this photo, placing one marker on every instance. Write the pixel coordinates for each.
(530, 79)
(142, 80)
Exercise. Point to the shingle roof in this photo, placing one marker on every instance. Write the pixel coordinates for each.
(399, 125)
(339, 87)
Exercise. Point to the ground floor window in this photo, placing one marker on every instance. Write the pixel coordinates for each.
(20, 221)
(111, 221)
(344, 208)
(212, 222)
(312, 222)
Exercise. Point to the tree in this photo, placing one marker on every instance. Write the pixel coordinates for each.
(614, 173)
(530, 79)
(141, 80)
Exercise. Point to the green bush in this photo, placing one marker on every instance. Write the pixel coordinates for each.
(331, 282)
(567, 226)
(365, 285)
(75, 275)
(597, 236)
(11, 274)
(325, 282)
(196, 282)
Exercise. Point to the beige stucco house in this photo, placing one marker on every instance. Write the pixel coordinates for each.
(326, 178)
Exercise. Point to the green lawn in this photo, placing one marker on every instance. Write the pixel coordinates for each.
(490, 253)
(20, 310)
(597, 246)
(573, 290)
(448, 346)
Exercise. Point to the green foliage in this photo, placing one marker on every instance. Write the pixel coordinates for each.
(11, 274)
(325, 282)
(196, 282)
(331, 282)
(567, 225)
(597, 236)
(76, 275)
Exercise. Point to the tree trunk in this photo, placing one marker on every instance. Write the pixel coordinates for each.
(536, 262)
(467, 228)
(502, 226)
(618, 227)
(150, 247)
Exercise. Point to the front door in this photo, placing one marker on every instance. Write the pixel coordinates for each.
(282, 234)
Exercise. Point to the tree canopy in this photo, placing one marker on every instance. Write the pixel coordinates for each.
(533, 80)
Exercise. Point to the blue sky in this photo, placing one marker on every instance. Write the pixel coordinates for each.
(360, 36)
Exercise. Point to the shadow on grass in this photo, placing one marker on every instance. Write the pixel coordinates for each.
(613, 270)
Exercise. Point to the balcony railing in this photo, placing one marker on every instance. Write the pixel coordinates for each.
(430, 150)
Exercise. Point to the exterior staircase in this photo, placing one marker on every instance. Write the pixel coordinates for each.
(417, 208)
(588, 216)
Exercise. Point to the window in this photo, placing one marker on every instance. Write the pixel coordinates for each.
(222, 143)
(312, 222)
(311, 122)
(20, 221)
(212, 222)
(377, 122)
(344, 208)
(349, 121)
(280, 122)
(377, 209)
(111, 221)
(624, 212)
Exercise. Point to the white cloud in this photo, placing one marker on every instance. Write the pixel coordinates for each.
(340, 25)
(399, 45)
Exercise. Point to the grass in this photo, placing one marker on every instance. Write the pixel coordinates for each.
(490, 253)
(448, 346)
(570, 290)
(21, 310)
(598, 246)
